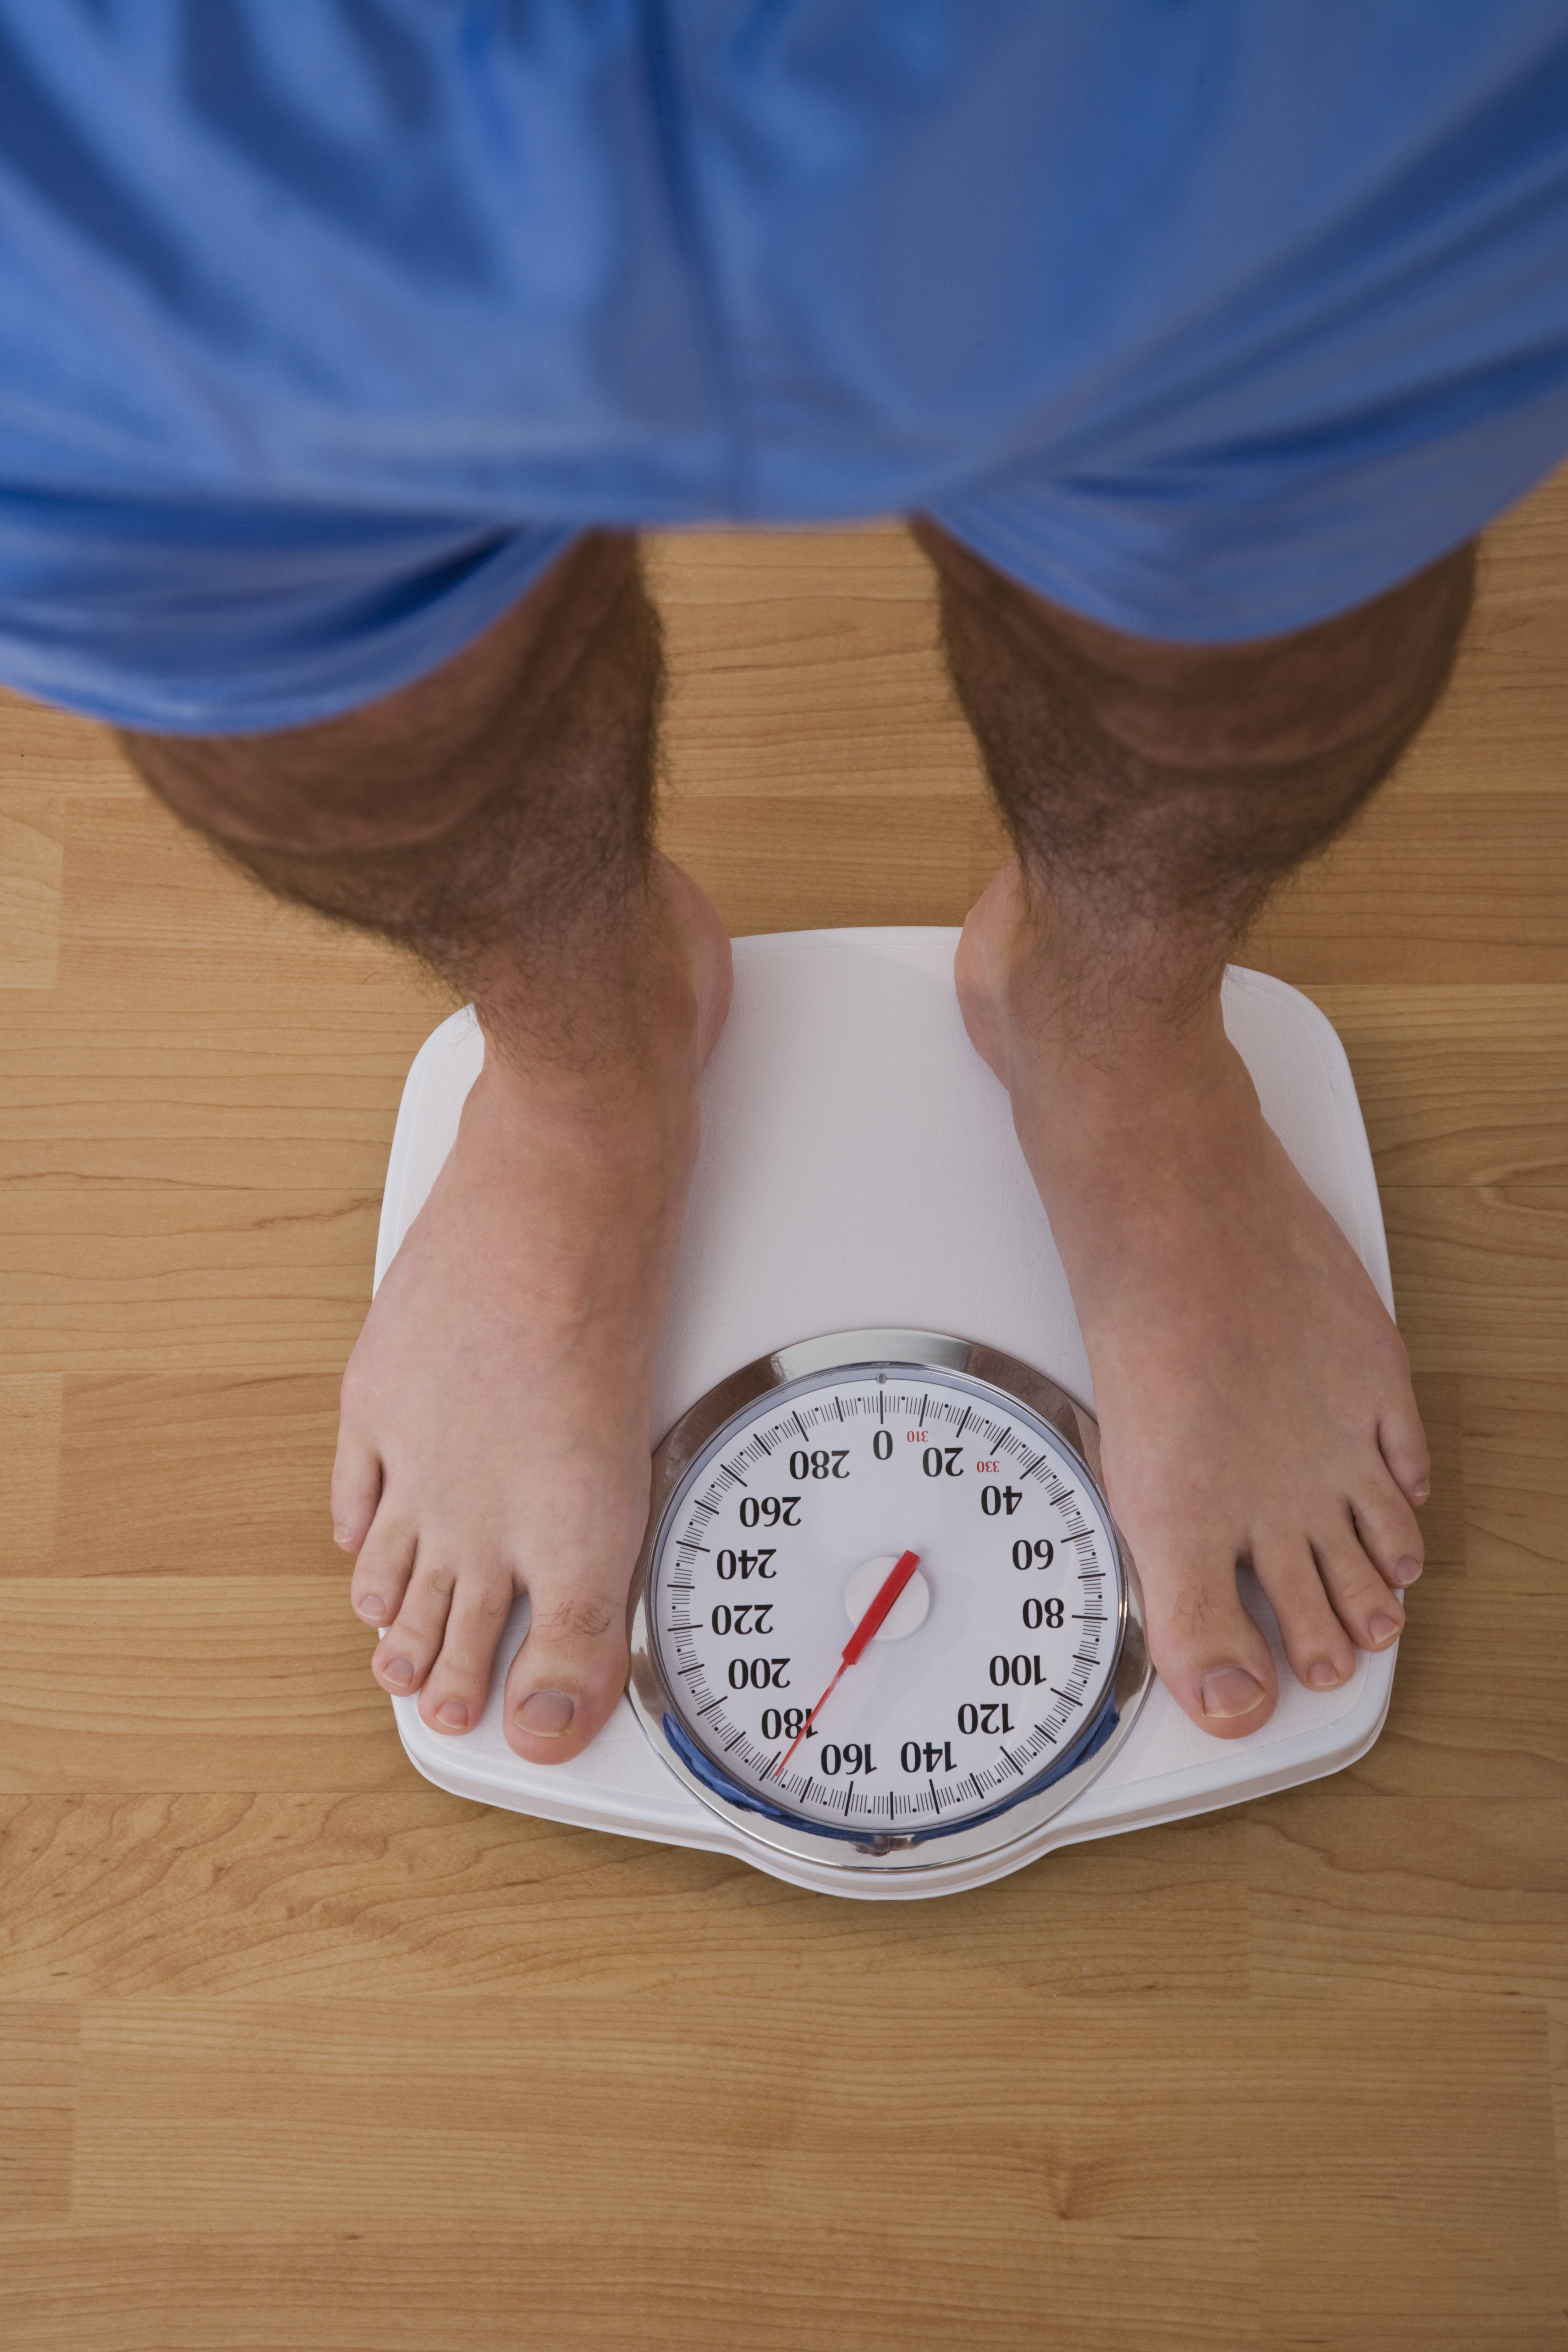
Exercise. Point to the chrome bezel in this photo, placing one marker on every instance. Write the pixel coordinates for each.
(1015, 1820)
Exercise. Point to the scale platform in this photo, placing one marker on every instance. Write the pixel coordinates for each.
(858, 1169)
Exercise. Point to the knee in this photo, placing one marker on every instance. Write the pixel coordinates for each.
(1269, 703)
(410, 766)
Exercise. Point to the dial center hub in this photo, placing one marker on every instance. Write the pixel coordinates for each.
(909, 1612)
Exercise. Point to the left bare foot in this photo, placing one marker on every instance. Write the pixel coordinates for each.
(496, 1433)
(1254, 1397)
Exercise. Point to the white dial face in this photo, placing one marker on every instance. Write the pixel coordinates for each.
(995, 1661)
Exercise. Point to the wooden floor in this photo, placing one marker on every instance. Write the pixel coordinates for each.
(297, 2052)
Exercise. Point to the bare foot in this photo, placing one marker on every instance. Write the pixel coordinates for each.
(1254, 1397)
(495, 1436)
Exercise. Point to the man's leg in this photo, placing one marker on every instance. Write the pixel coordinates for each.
(495, 1433)
(1254, 1397)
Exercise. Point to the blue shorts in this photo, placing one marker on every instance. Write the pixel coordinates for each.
(325, 324)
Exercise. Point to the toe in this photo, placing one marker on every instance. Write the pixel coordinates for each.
(356, 1486)
(1320, 1650)
(568, 1675)
(1211, 1655)
(1387, 1529)
(383, 1570)
(457, 1685)
(1371, 1614)
(1403, 1444)
(413, 1641)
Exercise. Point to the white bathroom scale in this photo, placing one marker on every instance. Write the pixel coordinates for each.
(887, 1641)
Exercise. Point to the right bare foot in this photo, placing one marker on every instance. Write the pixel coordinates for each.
(496, 1411)
(1254, 1397)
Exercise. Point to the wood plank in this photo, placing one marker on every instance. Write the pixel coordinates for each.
(1465, 1642)
(1444, 1525)
(1480, 1276)
(1557, 2014)
(176, 1096)
(30, 1409)
(804, 666)
(1459, 1085)
(1516, 1483)
(1409, 1891)
(311, 1893)
(130, 1506)
(158, 918)
(43, 749)
(804, 863)
(183, 2109)
(1423, 882)
(186, 1682)
(1373, 2147)
(141, 1278)
(32, 864)
(909, 2288)
(39, 2042)
(1505, 715)
(1425, 2290)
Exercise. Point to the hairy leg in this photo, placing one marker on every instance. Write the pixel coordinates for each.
(495, 1433)
(1254, 1397)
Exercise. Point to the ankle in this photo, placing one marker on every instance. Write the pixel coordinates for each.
(1128, 1050)
(1121, 1102)
(1123, 1011)
(600, 1028)
(616, 1092)
(628, 1015)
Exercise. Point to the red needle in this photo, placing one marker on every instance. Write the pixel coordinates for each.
(892, 1584)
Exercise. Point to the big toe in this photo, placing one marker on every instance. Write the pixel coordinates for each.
(567, 1676)
(1210, 1654)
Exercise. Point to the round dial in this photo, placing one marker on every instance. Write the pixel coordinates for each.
(884, 1601)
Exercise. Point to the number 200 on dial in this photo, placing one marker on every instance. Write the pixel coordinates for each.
(994, 1677)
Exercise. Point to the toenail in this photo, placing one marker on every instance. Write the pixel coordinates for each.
(398, 1672)
(1382, 1627)
(372, 1606)
(1231, 1690)
(453, 1713)
(546, 1714)
(1324, 1675)
(341, 1536)
(1423, 1492)
(1408, 1571)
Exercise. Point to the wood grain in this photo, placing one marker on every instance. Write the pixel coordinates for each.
(297, 2052)
(305, 1896)
(32, 862)
(127, 1503)
(1516, 1483)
